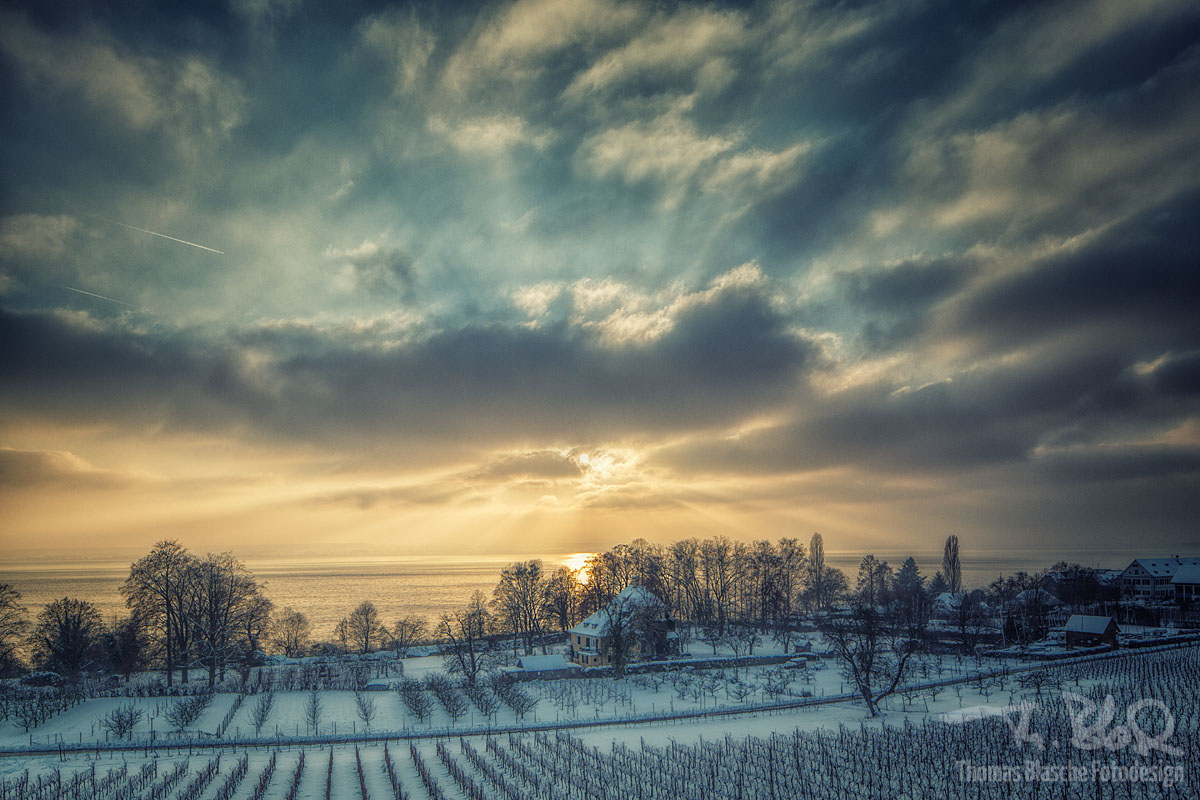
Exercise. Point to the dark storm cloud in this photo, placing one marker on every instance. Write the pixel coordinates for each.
(1136, 287)
(1133, 462)
(724, 355)
(897, 300)
(911, 286)
(71, 368)
(720, 359)
(990, 417)
(1179, 375)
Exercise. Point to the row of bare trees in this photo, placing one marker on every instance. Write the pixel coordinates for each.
(68, 637)
(716, 583)
(205, 612)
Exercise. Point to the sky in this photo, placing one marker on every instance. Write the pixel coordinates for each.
(290, 278)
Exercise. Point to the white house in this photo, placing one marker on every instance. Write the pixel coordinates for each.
(590, 639)
(1149, 579)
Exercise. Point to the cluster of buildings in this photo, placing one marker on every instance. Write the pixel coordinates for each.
(640, 618)
(1162, 579)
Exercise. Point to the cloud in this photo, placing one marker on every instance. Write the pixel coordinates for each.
(371, 497)
(673, 153)
(513, 44)
(373, 268)
(1042, 44)
(30, 469)
(534, 464)
(1110, 283)
(691, 49)
(727, 350)
(36, 236)
(1105, 464)
(404, 43)
(491, 136)
(478, 242)
(187, 97)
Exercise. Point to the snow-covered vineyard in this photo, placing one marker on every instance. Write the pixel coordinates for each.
(971, 749)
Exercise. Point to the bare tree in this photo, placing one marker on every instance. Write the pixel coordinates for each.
(312, 709)
(874, 651)
(724, 565)
(290, 632)
(562, 598)
(629, 626)
(407, 632)
(66, 638)
(13, 626)
(124, 647)
(465, 633)
(155, 592)
(874, 581)
(365, 707)
(520, 600)
(186, 710)
(121, 720)
(256, 621)
(261, 711)
(222, 594)
(412, 694)
(683, 571)
(971, 620)
(362, 629)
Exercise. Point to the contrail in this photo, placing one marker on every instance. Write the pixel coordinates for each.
(102, 297)
(163, 235)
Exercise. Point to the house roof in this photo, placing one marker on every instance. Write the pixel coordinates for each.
(949, 600)
(632, 597)
(1189, 573)
(1163, 567)
(1037, 596)
(1082, 623)
(554, 661)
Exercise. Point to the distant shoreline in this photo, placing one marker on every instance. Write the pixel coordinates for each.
(326, 589)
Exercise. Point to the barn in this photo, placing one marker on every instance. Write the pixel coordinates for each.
(1089, 631)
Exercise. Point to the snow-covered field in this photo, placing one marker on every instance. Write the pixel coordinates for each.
(637, 696)
(913, 742)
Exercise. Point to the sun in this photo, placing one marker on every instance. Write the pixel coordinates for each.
(576, 563)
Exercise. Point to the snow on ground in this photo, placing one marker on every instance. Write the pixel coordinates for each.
(565, 700)
(560, 701)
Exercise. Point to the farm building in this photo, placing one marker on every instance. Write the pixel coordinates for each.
(1088, 631)
(551, 666)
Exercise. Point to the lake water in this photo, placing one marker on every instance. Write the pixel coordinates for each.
(328, 589)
